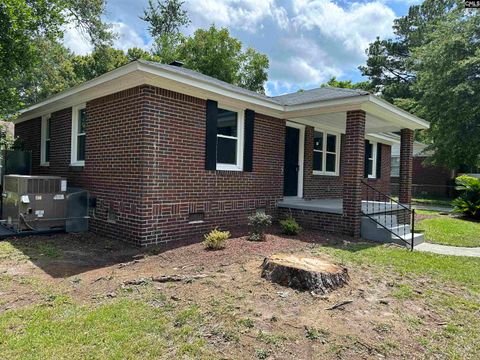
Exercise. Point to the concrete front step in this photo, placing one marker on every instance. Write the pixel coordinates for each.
(371, 230)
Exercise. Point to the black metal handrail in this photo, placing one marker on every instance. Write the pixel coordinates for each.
(387, 207)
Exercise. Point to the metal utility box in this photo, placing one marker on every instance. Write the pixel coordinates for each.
(34, 202)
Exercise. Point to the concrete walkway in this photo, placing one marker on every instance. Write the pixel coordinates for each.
(449, 250)
(433, 207)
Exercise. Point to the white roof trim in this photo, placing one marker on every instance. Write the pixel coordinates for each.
(138, 73)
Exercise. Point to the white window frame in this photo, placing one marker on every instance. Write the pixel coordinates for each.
(43, 140)
(324, 153)
(238, 166)
(73, 154)
(373, 175)
(396, 173)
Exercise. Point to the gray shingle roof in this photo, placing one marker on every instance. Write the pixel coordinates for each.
(318, 94)
(298, 98)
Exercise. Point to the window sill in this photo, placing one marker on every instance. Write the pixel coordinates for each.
(77, 164)
(321, 173)
(226, 167)
(45, 164)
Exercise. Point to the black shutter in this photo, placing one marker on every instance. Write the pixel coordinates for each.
(365, 163)
(211, 136)
(379, 161)
(248, 145)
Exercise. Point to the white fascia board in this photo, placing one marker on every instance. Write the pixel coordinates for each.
(381, 138)
(325, 107)
(384, 110)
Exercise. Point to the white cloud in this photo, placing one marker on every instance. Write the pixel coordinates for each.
(127, 37)
(76, 40)
(354, 27)
(80, 44)
(243, 14)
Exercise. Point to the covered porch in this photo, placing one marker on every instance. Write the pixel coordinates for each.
(335, 206)
(338, 157)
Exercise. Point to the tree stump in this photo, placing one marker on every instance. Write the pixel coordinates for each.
(304, 273)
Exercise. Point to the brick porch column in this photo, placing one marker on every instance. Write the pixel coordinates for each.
(353, 171)
(406, 166)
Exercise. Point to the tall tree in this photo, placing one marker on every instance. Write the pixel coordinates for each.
(431, 69)
(215, 53)
(448, 81)
(390, 64)
(210, 51)
(165, 19)
(27, 28)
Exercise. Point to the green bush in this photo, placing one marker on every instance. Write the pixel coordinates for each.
(290, 226)
(259, 223)
(215, 239)
(468, 203)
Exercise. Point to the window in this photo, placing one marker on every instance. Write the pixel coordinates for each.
(45, 141)
(326, 150)
(370, 159)
(395, 166)
(229, 140)
(79, 118)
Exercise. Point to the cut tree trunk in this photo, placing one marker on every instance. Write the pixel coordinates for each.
(304, 273)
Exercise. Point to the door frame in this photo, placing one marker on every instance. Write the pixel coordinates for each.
(301, 156)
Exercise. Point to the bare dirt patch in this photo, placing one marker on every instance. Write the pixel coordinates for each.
(244, 315)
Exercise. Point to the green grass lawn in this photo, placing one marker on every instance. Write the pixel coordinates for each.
(119, 329)
(434, 201)
(459, 338)
(450, 231)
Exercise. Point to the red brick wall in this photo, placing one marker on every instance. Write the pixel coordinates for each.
(178, 183)
(145, 163)
(328, 187)
(406, 166)
(113, 170)
(382, 184)
(427, 179)
(320, 186)
(429, 174)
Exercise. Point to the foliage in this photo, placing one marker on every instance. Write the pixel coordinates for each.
(468, 203)
(215, 239)
(431, 69)
(6, 139)
(211, 51)
(348, 84)
(290, 226)
(389, 63)
(259, 223)
(448, 69)
(25, 27)
(165, 17)
(215, 53)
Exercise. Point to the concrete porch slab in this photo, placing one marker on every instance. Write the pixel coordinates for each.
(335, 206)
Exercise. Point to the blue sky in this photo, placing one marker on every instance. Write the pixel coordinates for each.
(307, 41)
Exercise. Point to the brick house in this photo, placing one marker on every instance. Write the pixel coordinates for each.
(427, 180)
(169, 153)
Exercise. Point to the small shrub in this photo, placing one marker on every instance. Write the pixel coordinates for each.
(259, 223)
(468, 203)
(215, 239)
(290, 226)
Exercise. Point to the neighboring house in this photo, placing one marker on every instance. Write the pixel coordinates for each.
(427, 180)
(169, 153)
